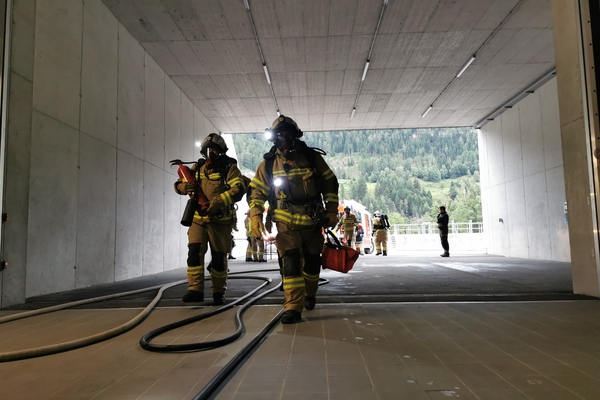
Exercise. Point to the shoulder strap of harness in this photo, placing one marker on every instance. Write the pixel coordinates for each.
(308, 152)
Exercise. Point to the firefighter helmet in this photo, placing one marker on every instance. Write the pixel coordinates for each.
(213, 140)
(377, 214)
(283, 123)
(346, 208)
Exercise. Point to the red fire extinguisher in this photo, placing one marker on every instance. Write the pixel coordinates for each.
(198, 201)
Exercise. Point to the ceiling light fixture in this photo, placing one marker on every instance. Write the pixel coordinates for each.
(262, 56)
(364, 74)
(267, 74)
(427, 111)
(489, 38)
(465, 66)
(353, 111)
(365, 71)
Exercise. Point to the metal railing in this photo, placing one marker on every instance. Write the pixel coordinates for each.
(427, 228)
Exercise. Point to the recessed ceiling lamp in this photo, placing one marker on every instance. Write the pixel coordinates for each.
(364, 75)
(262, 56)
(427, 111)
(465, 66)
(267, 73)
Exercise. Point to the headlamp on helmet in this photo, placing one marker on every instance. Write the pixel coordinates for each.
(269, 135)
(284, 124)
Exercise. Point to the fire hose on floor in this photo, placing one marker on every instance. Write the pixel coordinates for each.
(145, 341)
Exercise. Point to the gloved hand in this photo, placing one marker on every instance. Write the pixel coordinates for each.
(216, 204)
(331, 220)
(258, 228)
(186, 187)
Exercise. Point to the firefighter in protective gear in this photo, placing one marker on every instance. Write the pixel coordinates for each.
(380, 233)
(219, 178)
(255, 252)
(348, 223)
(302, 193)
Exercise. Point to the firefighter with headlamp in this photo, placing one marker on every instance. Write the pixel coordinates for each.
(219, 178)
(302, 193)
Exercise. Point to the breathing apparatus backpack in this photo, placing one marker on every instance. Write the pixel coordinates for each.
(385, 221)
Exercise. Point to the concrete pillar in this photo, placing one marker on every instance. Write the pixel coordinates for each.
(576, 95)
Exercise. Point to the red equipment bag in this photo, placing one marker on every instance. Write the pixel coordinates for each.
(337, 256)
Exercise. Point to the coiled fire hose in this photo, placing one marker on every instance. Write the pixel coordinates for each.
(108, 334)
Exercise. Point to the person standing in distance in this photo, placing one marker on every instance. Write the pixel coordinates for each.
(219, 178)
(302, 192)
(442, 221)
(348, 222)
(380, 233)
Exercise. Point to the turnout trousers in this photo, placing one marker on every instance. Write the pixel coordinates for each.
(256, 249)
(349, 235)
(300, 252)
(381, 238)
(199, 237)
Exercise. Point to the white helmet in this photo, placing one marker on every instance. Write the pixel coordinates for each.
(377, 213)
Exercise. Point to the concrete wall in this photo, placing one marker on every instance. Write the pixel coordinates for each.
(571, 68)
(522, 180)
(93, 123)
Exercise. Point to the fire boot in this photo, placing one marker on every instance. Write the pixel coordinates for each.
(291, 317)
(218, 299)
(193, 296)
(309, 302)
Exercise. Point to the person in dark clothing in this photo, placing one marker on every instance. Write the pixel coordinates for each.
(442, 221)
(359, 238)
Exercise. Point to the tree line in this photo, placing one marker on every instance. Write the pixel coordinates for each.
(400, 172)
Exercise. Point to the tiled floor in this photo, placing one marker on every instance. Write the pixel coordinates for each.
(484, 351)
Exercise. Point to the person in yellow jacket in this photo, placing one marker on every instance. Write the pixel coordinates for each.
(380, 233)
(255, 252)
(302, 193)
(348, 223)
(219, 178)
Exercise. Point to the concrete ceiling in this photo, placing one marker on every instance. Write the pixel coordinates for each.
(316, 50)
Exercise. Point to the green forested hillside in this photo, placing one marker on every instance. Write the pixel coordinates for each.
(406, 173)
